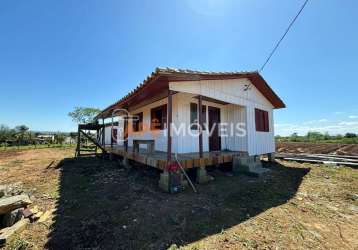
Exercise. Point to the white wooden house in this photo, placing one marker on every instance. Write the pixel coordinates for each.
(172, 98)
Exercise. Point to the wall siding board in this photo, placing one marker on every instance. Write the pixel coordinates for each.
(233, 91)
(241, 109)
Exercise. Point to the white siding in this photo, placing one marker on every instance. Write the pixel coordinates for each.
(241, 110)
(234, 114)
(158, 135)
(233, 91)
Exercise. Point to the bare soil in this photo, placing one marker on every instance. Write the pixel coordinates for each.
(317, 148)
(99, 204)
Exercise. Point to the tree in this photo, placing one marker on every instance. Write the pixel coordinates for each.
(73, 136)
(350, 135)
(59, 138)
(6, 133)
(84, 115)
(314, 136)
(21, 129)
(294, 137)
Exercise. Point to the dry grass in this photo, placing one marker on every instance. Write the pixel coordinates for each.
(100, 205)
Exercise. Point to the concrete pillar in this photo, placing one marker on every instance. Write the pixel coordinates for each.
(202, 175)
(171, 182)
(125, 162)
(164, 181)
(248, 164)
(271, 157)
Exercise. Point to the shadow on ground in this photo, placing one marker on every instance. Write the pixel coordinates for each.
(104, 206)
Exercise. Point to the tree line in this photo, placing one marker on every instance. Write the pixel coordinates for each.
(22, 135)
(348, 138)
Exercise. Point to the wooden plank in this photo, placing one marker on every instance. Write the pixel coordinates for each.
(188, 163)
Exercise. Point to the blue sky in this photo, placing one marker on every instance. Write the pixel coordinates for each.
(55, 55)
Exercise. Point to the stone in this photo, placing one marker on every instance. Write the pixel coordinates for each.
(11, 203)
(12, 217)
(2, 190)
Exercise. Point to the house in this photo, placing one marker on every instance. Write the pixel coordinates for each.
(214, 117)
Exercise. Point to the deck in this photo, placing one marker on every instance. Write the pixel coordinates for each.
(158, 159)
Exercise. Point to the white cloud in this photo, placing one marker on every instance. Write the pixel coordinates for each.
(316, 121)
(339, 112)
(339, 127)
(353, 116)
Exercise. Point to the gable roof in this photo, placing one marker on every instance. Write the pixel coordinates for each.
(159, 80)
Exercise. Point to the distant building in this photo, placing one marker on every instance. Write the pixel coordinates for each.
(47, 138)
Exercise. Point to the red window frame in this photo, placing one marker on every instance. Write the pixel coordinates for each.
(137, 123)
(158, 117)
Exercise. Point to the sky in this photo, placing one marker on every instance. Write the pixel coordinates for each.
(56, 55)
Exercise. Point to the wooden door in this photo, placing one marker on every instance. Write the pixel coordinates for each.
(214, 122)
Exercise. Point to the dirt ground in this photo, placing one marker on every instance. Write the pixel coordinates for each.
(317, 148)
(98, 204)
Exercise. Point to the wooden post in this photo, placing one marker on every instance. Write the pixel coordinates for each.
(112, 133)
(200, 127)
(125, 136)
(78, 142)
(103, 134)
(169, 126)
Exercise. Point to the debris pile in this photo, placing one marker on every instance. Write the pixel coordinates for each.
(15, 213)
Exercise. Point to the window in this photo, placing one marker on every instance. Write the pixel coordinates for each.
(137, 122)
(261, 120)
(194, 117)
(158, 117)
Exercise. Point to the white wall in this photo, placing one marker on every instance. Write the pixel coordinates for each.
(233, 91)
(241, 109)
(157, 135)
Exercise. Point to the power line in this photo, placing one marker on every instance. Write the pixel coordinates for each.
(288, 28)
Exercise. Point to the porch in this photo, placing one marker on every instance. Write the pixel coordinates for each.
(159, 159)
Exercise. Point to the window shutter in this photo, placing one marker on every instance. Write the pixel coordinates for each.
(266, 122)
(257, 115)
(262, 120)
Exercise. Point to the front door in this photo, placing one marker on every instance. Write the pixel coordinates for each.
(214, 122)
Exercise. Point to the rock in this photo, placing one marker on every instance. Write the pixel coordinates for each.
(11, 189)
(12, 217)
(8, 232)
(11, 203)
(2, 190)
